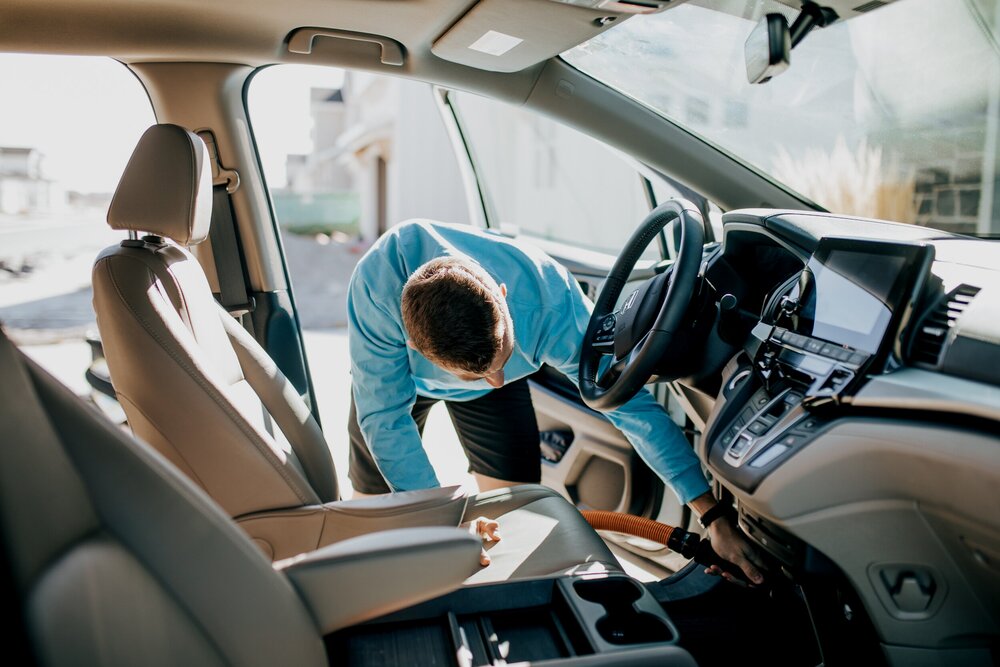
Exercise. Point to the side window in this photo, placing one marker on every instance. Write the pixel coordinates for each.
(549, 182)
(67, 128)
(347, 155)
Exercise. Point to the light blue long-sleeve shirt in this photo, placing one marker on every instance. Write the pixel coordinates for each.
(550, 315)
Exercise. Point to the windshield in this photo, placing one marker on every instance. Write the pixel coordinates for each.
(891, 114)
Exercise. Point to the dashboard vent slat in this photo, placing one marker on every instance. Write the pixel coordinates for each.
(932, 334)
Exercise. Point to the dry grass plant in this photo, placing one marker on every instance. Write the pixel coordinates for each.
(860, 182)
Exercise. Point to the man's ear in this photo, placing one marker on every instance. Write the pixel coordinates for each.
(503, 289)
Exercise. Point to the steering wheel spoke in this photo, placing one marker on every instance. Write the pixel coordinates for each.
(603, 339)
(633, 355)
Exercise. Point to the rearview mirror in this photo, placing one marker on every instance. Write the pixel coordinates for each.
(768, 49)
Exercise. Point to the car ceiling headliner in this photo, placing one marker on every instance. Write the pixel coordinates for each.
(251, 31)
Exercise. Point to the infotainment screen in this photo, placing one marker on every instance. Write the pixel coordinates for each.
(853, 290)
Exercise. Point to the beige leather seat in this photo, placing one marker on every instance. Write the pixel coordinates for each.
(197, 387)
(113, 558)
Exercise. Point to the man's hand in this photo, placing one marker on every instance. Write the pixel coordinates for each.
(488, 530)
(730, 544)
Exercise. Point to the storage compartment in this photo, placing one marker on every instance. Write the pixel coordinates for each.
(522, 621)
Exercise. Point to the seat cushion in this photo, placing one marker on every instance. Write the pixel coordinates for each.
(541, 534)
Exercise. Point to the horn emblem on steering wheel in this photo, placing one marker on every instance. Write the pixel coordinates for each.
(630, 300)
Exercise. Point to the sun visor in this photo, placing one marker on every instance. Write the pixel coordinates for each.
(509, 35)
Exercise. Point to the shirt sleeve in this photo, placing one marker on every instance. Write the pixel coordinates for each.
(384, 392)
(646, 425)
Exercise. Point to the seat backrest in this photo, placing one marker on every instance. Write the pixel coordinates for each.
(193, 383)
(118, 559)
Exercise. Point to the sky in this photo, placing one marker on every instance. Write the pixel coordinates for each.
(85, 114)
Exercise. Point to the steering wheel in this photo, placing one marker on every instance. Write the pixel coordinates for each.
(639, 335)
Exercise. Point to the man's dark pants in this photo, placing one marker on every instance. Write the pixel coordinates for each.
(498, 432)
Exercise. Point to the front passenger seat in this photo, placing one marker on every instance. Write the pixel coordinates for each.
(110, 557)
(197, 387)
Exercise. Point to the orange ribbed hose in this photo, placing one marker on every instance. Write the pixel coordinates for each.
(629, 524)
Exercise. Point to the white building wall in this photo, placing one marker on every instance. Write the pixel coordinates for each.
(424, 179)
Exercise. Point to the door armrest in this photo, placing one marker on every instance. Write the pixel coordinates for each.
(369, 576)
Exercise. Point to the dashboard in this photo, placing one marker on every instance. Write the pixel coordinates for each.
(857, 422)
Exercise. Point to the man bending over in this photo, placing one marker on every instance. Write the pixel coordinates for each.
(440, 312)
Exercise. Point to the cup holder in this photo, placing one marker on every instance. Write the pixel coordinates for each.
(622, 622)
(636, 627)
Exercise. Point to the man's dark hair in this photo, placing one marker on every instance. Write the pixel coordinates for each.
(452, 316)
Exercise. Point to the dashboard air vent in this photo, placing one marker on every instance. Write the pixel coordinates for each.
(928, 343)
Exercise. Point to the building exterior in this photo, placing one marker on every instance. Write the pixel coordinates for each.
(23, 188)
(381, 155)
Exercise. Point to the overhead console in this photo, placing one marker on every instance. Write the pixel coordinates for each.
(842, 319)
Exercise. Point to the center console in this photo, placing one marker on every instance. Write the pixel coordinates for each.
(556, 619)
(837, 323)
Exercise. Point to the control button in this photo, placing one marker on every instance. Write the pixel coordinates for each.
(760, 400)
(795, 339)
(768, 455)
(809, 424)
(779, 334)
(758, 427)
(793, 398)
(740, 445)
(813, 345)
(747, 415)
(841, 354)
(828, 350)
(857, 358)
(729, 435)
(790, 440)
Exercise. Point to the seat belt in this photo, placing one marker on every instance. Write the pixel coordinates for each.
(229, 267)
(226, 251)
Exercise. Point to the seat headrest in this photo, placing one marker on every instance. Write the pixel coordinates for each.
(166, 188)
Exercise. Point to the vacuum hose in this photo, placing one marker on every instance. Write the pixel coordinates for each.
(688, 544)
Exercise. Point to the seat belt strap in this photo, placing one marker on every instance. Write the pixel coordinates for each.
(226, 251)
